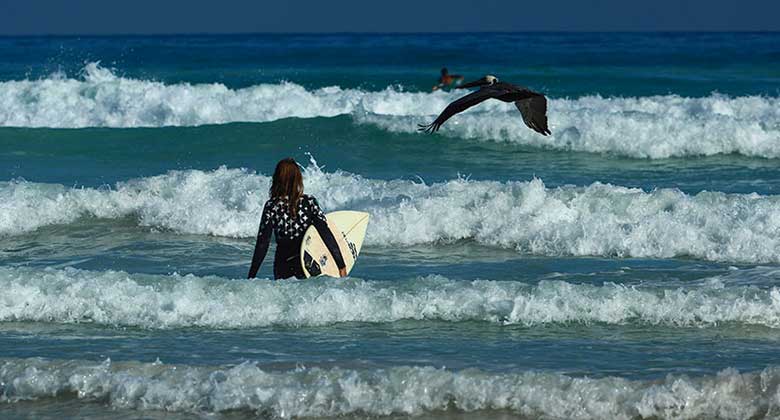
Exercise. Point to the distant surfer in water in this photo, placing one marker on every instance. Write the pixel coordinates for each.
(447, 79)
(288, 213)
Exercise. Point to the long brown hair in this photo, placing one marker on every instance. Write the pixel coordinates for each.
(288, 181)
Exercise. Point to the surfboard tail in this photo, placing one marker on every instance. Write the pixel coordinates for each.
(349, 228)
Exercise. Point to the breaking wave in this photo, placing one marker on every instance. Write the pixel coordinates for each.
(176, 301)
(644, 127)
(653, 127)
(317, 392)
(596, 220)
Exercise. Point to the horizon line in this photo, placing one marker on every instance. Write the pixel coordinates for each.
(175, 34)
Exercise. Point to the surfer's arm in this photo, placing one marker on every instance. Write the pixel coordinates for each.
(321, 224)
(261, 246)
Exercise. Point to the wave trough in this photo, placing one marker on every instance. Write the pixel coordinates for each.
(643, 127)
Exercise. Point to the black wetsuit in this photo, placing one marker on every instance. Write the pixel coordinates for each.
(289, 233)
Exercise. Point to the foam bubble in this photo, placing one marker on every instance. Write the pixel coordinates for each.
(600, 219)
(316, 392)
(156, 301)
(645, 127)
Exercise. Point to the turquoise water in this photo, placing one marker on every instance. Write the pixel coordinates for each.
(626, 266)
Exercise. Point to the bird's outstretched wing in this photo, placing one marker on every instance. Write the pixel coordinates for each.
(459, 105)
(534, 112)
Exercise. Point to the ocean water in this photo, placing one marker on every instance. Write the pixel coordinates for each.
(628, 266)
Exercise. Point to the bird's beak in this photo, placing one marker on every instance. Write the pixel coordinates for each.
(481, 82)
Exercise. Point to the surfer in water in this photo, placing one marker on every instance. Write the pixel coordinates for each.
(288, 213)
(447, 79)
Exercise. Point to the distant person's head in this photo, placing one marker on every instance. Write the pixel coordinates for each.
(444, 71)
(288, 182)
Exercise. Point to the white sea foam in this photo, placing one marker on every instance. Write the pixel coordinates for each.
(316, 392)
(598, 220)
(103, 99)
(646, 127)
(156, 301)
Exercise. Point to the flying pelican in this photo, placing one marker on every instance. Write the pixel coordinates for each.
(532, 105)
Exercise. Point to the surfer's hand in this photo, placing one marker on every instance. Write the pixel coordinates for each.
(343, 272)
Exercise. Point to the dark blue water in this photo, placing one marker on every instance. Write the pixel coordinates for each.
(625, 266)
(565, 65)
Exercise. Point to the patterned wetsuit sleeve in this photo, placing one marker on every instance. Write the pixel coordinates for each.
(321, 223)
(263, 240)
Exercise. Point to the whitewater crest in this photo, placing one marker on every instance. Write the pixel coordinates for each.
(317, 392)
(654, 127)
(175, 301)
(596, 220)
(642, 127)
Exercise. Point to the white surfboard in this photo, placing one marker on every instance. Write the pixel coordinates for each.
(349, 229)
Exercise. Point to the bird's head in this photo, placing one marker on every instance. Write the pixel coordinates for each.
(485, 81)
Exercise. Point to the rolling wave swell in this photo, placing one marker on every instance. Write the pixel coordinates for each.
(643, 127)
(176, 301)
(317, 392)
(596, 220)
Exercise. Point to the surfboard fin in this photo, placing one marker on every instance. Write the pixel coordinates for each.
(311, 265)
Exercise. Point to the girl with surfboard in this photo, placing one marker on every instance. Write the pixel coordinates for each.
(288, 213)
